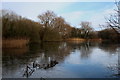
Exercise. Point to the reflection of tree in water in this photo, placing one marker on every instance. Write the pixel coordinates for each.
(55, 50)
(49, 50)
(14, 59)
(84, 47)
(111, 48)
(119, 61)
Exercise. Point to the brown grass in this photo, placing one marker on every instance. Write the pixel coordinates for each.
(14, 43)
(79, 40)
(98, 39)
(0, 43)
(76, 39)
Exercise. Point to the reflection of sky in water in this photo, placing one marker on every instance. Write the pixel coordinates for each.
(76, 60)
(73, 58)
(97, 57)
(95, 66)
(103, 58)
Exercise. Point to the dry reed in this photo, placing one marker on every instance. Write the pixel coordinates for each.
(75, 39)
(14, 43)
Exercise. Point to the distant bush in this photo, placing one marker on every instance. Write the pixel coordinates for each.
(108, 34)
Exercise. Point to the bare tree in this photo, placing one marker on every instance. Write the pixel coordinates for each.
(51, 22)
(47, 18)
(62, 27)
(114, 20)
(59, 25)
(10, 15)
(86, 28)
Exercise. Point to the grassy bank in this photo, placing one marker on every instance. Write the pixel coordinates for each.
(14, 43)
(22, 43)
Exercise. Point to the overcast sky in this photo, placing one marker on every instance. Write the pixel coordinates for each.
(72, 12)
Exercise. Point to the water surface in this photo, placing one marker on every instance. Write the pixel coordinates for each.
(76, 60)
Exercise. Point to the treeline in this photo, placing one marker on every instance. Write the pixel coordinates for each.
(16, 27)
(109, 35)
(86, 31)
(49, 28)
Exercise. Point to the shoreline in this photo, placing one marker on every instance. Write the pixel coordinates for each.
(21, 43)
(82, 39)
